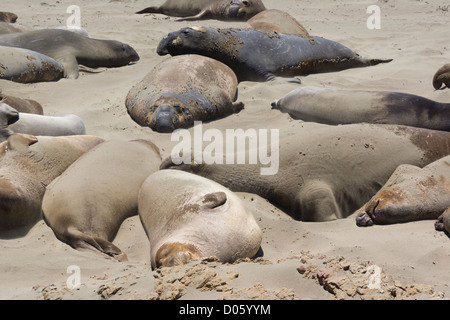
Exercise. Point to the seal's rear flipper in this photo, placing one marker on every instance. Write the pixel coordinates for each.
(150, 10)
(79, 240)
(374, 62)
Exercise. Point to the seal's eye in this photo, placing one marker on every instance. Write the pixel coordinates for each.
(178, 108)
(245, 3)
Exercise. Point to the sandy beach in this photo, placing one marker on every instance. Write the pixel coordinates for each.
(301, 260)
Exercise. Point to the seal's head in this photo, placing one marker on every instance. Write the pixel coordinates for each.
(176, 253)
(108, 53)
(168, 113)
(8, 115)
(186, 40)
(243, 10)
(387, 206)
(441, 77)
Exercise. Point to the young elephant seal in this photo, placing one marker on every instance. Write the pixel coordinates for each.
(187, 217)
(410, 194)
(228, 10)
(27, 165)
(87, 204)
(182, 90)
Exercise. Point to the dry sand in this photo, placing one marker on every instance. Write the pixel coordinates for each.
(301, 260)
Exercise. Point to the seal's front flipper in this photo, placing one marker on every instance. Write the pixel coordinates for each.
(70, 65)
(237, 106)
(79, 240)
(316, 202)
(82, 68)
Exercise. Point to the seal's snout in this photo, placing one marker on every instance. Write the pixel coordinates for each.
(176, 253)
(131, 53)
(162, 120)
(274, 104)
(234, 9)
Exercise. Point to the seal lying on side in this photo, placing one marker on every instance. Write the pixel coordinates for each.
(26, 66)
(229, 10)
(181, 90)
(12, 121)
(327, 172)
(86, 205)
(442, 76)
(410, 194)
(261, 56)
(273, 20)
(71, 49)
(27, 165)
(443, 222)
(187, 217)
(334, 106)
(22, 105)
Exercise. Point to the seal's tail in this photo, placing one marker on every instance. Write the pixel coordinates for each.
(374, 62)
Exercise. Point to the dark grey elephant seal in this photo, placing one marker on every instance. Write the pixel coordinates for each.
(12, 121)
(187, 217)
(261, 56)
(335, 106)
(274, 20)
(22, 105)
(27, 66)
(229, 10)
(442, 77)
(72, 49)
(410, 194)
(27, 165)
(327, 172)
(86, 205)
(443, 222)
(182, 90)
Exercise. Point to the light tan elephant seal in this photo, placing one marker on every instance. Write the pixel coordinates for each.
(27, 165)
(228, 10)
(22, 105)
(187, 217)
(274, 20)
(442, 77)
(410, 194)
(86, 205)
(443, 222)
(319, 172)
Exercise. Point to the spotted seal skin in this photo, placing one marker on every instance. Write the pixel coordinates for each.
(410, 194)
(27, 66)
(72, 49)
(338, 106)
(442, 77)
(261, 56)
(182, 90)
(227, 10)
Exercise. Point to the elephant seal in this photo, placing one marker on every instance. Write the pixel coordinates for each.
(274, 20)
(27, 66)
(334, 106)
(410, 194)
(12, 121)
(321, 172)
(71, 49)
(86, 205)
(22, 105)
(27, 165)
(187, 217)
(442, 76)
(227, 10)
(261, 56)
(8, 17)
(443, 222)
(181, 90)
